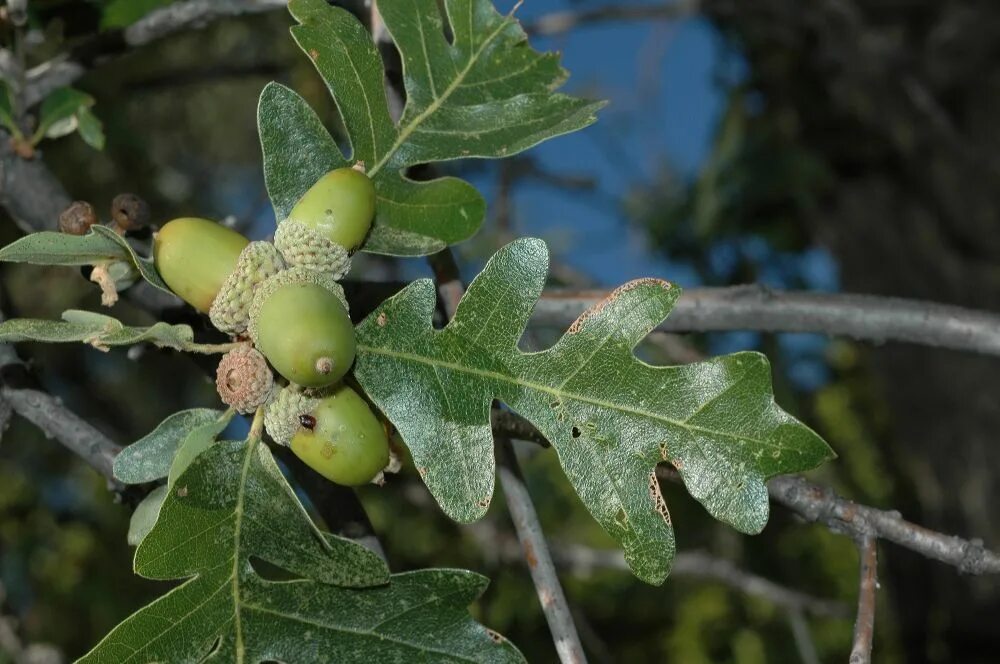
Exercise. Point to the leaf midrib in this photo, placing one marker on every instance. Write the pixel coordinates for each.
(405, 131)
(547, 389)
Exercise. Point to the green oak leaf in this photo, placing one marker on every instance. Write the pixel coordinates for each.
(100, 245)
(611, 417)
(230, 512)
(145, 515)
(149, 458)
(64, 111)
(484, 93)
(95, 329)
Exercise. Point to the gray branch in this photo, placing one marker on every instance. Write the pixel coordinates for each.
(820, 504)
(538, 558)
(563, 21)
(703, 565)
(56, 421)
(864, 625)
(64, 70)
(863, 317)
(29, 191)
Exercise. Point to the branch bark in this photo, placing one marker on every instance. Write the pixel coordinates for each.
(863, 317)
(564, 21)
(67, 68)
(864, 626)
(538, 557)
(821, 504)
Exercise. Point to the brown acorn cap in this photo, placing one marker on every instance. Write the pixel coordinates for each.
(244, 380)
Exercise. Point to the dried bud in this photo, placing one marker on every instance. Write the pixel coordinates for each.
(129, 212)
(244, 380)
(77, 218)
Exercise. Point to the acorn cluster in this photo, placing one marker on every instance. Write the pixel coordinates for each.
(283, 299)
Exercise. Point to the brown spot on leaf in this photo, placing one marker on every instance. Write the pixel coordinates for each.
(381, 320)
(422, 470)
(182, 492)
(484, 503)
(494, 636)
(614, 295)
(314, 54)
(654, 492)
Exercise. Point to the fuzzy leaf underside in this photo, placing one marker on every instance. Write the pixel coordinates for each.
(231, 509)
(100, 245)
(611, 417)
(150, 458)
(95, 329)
(486, 93)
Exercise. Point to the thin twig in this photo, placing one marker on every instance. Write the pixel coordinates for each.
(803, 639)
(538, 558)
(564, 21)
(816, 503)
(864, 317)
(703, 565)
(864, 626)
(67, 68)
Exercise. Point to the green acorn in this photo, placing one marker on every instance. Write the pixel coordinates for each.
(195, 257)
(334, 433)
(340, 207)
(299, 321)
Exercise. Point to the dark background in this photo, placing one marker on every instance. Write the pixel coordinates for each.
(829, 145)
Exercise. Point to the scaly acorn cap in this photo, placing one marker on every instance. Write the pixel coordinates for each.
(282, 418)
(295, 275)
(244, 380)
(230, 312)
(302, 246)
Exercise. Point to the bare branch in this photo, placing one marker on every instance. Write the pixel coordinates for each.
(703, 565)
(538, 558)
(803, 640)
(28, 190)
(65, 69)
(864, 626)
(816, 503)
(564, 21)
(56, 421)
(863, 317)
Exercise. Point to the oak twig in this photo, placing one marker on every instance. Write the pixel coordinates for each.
(538, 557)
(703, 565)
(67, 68)
(564, 21)
(864, 626)
(816, 503)
(863, 317)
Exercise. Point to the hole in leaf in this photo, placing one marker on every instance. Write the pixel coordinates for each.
(271, 572)
(576, 432)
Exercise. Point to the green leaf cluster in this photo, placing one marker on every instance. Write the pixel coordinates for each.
(264, 584)
(474, 88)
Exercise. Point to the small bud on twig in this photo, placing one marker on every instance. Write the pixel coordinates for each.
(129, 212)
(77, 218)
